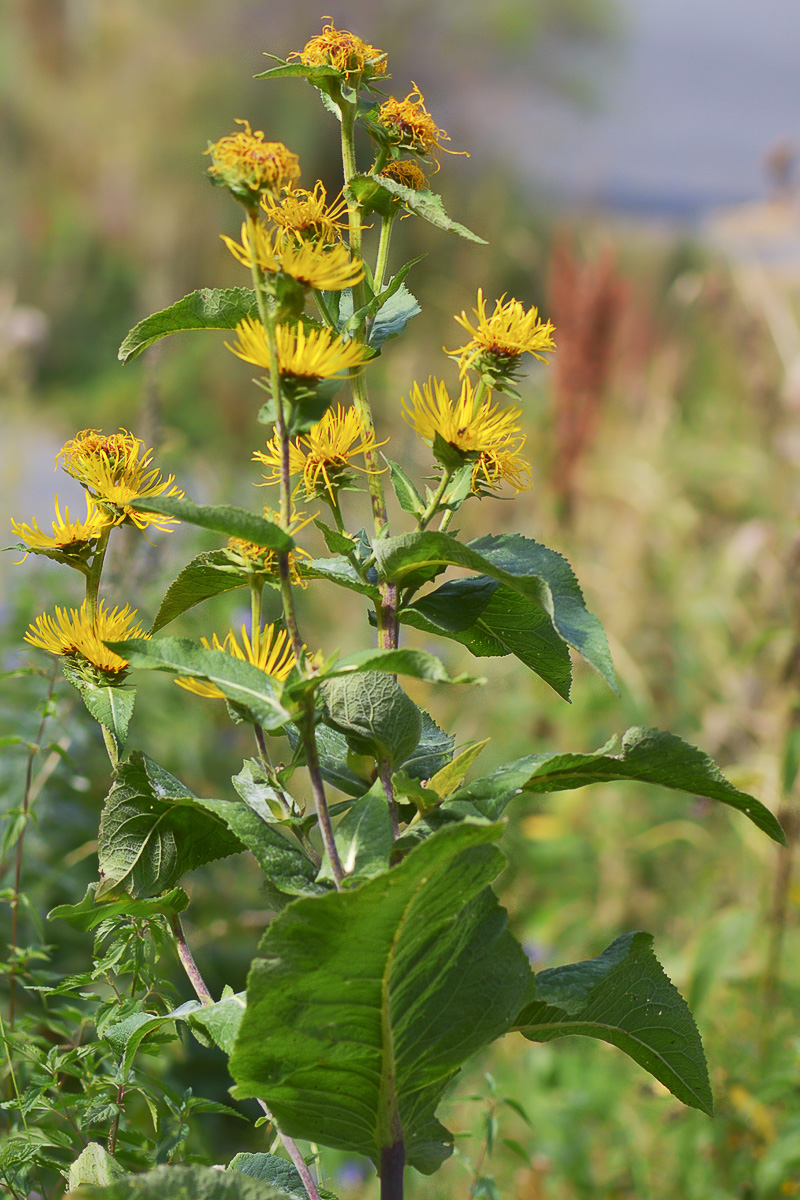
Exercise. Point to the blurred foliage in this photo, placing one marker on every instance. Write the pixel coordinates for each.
(682, 528)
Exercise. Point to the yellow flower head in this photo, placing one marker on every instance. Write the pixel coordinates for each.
(306, 216)
(409, 125)
(249, 166)
(402, 170)
(81, 637)
(270, 651)
(73, 539)
(498, 341)
(115, 470)
(313, 265)
(324, 454)
(303, 353)
(343, 50)
(474, 431)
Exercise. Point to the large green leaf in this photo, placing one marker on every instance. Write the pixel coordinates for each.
(209, 308)
(538, 573)
(374, 714)
(646, 755)
(339, 570)
(184, 1183)
(417, 664)
(221, 518)
(208, 575)
(152, 831)
(387, 989)
(624, 997)
(492, 620)
(246, 686)
(111, 706)
(376, 192)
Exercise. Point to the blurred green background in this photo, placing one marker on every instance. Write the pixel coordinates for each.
(665, 442)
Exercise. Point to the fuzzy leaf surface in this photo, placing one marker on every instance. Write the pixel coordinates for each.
(493, 620)
(152, 831)
(645, 755)
(208, 308)
(111, 706)
(624, 997)
(183, 1183)
(521, 564)
(209, 574)
(387, 990)
(220, 518)
(277, 1171)
(246, 686)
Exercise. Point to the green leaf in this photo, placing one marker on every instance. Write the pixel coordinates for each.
(392, 310)
(209, 308)
(376, 191)
(91, 912)
(493, 620)
(338, 570)
(315, 75)
(407, 495)
(111, 706)
(220, 1021)
(152, 831)
(287, 867)
(448, 779)
(420, 972)
(221, 518)
(363, 838)
(246, 686)
(208, 575)
(374, 714)
(433, 753)
(646, 755)
(417, 664)
(277, 1171)
(624, 997)
(183, 1183)
(333, 751)
(126, 1036)
(94, 1165)
(525, 566)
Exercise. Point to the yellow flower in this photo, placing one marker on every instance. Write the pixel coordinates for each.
(75, 634)
(409, 124)
(477, 431)
(307, 354)
(270, 652)
(261, 560)
(306, 215)
(115, 470)
(249, 166)
(325, 452)
(314, 265)
(70, 538)
(498, 341)
(402, 170)
(343, 50)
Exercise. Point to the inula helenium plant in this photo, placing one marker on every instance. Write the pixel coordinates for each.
(388, 962)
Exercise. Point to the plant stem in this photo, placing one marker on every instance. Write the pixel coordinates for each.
(187, 961)
(436, 498)
(96, 570)
(292, 1149)
(26, 807)
(393, 1160)
(318, 788)
(385, 772)
(383, 251)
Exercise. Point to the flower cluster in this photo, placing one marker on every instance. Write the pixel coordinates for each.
(345, 52)
(470, 430)
(80, 636)
(72, 541)
(116, 470)
(302, 353)
(306, 215)
(313, 265)
(324, 456)
(498, 340)
(250, 167)
(409, 126)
